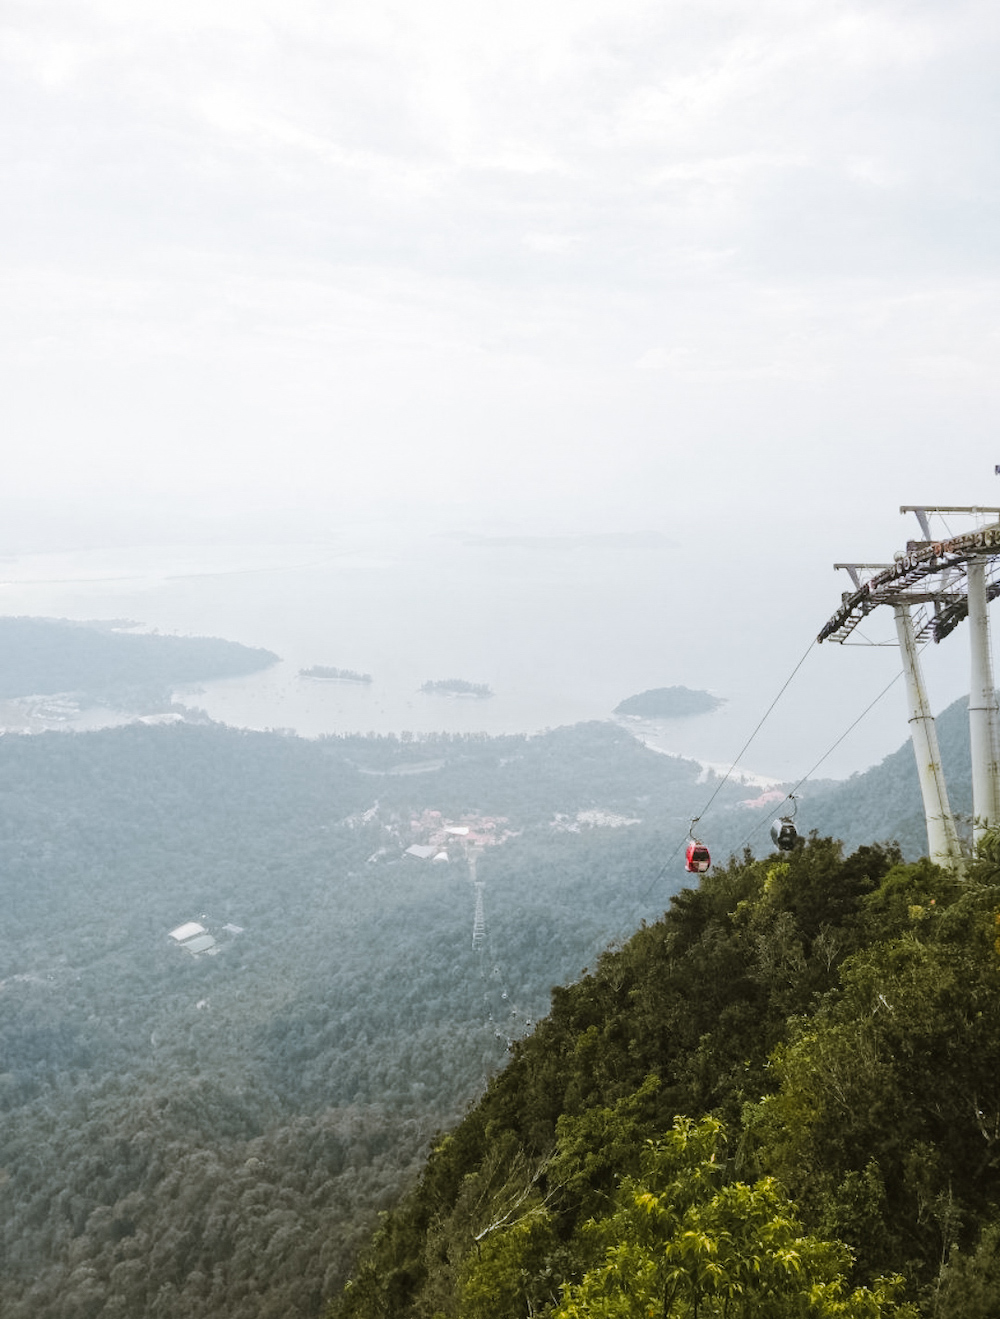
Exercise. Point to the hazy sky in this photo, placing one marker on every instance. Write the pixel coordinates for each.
(612, 263)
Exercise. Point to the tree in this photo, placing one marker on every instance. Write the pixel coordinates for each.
(681, 1244)
(970, 1283)
(886, 1126)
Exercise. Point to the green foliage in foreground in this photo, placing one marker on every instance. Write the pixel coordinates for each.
(675, 1239)
(678, 1241)
(841, 1017)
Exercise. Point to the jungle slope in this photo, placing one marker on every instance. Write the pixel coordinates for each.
(211, 1136)
(840, 1016)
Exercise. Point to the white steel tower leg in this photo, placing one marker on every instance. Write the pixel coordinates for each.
(982, 708)
(942, 840)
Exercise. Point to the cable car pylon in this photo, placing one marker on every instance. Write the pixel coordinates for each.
(942, 836)
(932, 573)
(983, 718)
(479, 919)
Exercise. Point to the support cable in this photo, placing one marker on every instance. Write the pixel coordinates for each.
(805, 778)
(746, 745)
(725, 779)
(826, 754)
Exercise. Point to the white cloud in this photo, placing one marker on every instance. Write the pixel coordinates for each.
(254, 238)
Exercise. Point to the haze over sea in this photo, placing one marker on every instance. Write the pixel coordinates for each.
(561, 627)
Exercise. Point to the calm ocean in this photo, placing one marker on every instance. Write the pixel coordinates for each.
(561, 629)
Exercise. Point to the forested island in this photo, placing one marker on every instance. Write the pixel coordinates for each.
(215, 1137)
(328, 674)
(457, 687)
(99, 661)
(668, 703)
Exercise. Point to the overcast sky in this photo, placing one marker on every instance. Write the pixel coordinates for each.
(605, 263)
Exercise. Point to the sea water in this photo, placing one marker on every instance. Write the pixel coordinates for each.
(561, 629)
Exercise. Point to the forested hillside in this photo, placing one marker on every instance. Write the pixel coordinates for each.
(783, 1098)
(212, 1135)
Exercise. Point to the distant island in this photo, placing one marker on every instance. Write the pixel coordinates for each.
(668, 703)
(457, 687)
(327, 674)
(602, 540)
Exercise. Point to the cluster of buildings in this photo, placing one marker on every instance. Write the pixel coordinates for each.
(196, 940)
(439, 835)
(592, 820)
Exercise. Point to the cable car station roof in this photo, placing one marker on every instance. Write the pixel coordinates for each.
(929, 572)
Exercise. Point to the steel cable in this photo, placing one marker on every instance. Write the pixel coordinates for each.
(728, 774)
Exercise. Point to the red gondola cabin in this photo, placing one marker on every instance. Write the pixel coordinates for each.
(698, 858)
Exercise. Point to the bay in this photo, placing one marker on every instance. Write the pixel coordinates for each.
(561, 628)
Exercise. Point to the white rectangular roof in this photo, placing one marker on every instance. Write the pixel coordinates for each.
(203, 943)
(187, 931)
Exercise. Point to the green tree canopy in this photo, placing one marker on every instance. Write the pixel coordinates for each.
(681, 1243)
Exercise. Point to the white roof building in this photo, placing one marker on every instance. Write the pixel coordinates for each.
(187, 931)
(201, 943)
